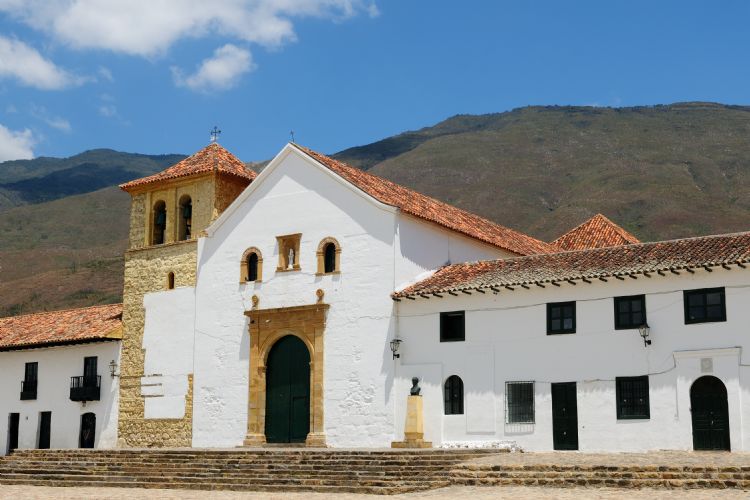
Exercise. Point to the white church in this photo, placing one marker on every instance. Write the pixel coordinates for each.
(296, 306)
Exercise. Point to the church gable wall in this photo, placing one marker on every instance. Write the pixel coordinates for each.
(298, 197)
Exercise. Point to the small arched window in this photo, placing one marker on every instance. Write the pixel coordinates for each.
(329, 260)
(454, 395)
(185, 218)
(170, 281)
(159, 224)
(251, 267)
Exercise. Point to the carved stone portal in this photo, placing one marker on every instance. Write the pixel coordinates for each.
(266, 327)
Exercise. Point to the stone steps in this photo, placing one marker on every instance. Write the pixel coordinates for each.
(673, 477)
(382, 472)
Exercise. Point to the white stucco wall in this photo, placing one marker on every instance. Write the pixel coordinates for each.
(168, 341)
(56, 366)
(506, 340)
(380, 250)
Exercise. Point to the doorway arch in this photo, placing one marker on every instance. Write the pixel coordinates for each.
(288, 391)
(710, 414)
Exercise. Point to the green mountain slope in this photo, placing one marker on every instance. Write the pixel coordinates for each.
(661, 172)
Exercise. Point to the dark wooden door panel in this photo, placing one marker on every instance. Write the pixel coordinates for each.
(710, 414)
(288, 392)
(45, 423)
(564, 416)
(13, 422)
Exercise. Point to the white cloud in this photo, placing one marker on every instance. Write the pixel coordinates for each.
(105, 74)
(220, 72)
(57, 122)
(16, 145)
(108, 110)
(150, 27)
(26, 64)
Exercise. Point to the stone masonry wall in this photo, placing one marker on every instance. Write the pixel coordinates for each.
(146, 271)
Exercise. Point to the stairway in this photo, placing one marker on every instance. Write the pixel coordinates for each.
(275, 469)
(611, 476)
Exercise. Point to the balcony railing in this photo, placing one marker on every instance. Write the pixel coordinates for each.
(85, 388)
(28, 390)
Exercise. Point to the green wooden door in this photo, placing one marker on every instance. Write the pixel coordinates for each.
(564, 416)
(288, 391)
(710, 414)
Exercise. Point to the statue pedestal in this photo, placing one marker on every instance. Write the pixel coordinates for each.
(414, 429)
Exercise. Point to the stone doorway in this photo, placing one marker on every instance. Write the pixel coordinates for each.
(267, 327)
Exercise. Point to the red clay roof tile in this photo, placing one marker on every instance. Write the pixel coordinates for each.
(61, 327)
(430, 209)
(658, 257)
(597, 232)
(211, 158)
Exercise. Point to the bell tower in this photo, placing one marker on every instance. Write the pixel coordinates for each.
(168, 212)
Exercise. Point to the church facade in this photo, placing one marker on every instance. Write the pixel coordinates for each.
(297, 305)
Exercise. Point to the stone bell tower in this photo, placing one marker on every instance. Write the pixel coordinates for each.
(168, 212)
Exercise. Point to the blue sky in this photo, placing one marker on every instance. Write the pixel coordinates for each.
(153, 76)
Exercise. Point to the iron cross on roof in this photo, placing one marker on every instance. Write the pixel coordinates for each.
(215, 133)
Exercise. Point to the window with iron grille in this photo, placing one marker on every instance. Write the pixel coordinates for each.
(630, 312)
(454, 395)
(632, 398)
(452, 326)
(561, 318)
(519, 402)
(705, 305)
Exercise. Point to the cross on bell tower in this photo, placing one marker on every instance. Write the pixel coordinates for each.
(215, 133)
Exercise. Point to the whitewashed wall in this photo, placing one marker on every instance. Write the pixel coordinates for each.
(56, 366)
(380, 250)
(506, 340)
(168, 341)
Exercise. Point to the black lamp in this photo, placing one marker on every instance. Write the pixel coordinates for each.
(645, 331)
(395, 343)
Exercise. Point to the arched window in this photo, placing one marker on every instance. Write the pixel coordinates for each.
(170, 281)
(185, 218)
(160, 223)
(454, 395)
(329, 253)
(251, 267)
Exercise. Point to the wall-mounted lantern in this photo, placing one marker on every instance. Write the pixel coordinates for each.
(395, 344)
(113, 369)
(645, 331)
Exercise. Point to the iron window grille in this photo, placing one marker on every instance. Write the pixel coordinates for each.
(452, 326)
(705, 305)
(454, 395)
(630, 312)
(632, 398)
(561, 318)
(519, 403)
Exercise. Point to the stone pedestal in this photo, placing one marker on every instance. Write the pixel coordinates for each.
(414, 429)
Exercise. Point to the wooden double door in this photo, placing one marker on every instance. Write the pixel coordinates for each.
(710, 414)
(288, 391)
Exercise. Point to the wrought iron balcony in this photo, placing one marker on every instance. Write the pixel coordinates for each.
(85, 388)
(28, 390)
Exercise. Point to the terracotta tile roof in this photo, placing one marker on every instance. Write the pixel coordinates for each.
(662, 257)
(71, 326)
(212, 157)
(597, 232)
(432, 210)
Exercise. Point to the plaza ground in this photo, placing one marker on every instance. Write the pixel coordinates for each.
(475, 493)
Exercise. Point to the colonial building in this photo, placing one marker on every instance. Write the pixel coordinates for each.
(57, 390)
(297, 305)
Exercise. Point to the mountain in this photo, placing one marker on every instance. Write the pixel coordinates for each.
(45, 179)
(659, 171)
